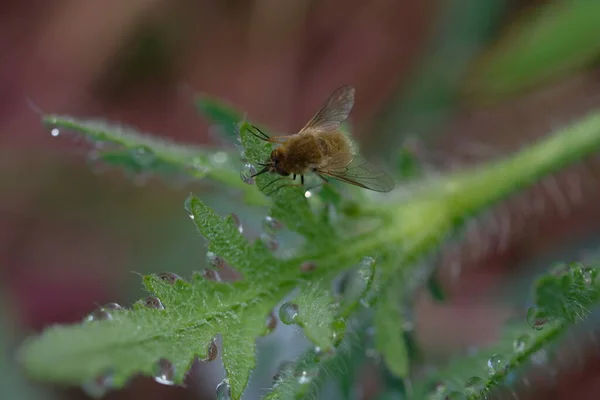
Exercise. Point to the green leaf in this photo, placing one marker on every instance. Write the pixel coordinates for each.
(226, 241)
(477, 374)
(389, 332)
(399, 230)
(133, 341)
(316, 313)
(122, 146)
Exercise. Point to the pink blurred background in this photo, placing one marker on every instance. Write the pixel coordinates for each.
(70, 238)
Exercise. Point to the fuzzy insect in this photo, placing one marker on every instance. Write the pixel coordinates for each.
(320, 147)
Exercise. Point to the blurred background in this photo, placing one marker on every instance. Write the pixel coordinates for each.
(454, 82)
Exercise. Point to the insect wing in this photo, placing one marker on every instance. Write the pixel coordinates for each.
(333, 112)
(361, 173)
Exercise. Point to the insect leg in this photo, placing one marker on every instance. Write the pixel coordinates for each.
(258, 133)
(301, 179)
(294, 178)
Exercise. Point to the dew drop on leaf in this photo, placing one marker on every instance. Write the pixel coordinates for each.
(339, 329)
(474, 385)
(211, 275)
(588, 276)
(55, 132)
(306, 375)
(270, 225)
(271, 322)
(168, 277)
(187, 205)
(98, 387)
(237, 222)
(286, 368)
(365, 269)
(540, 357)
(270, 241)
(246, 173)
(559, 269)
(243, 157)
(534, 320)
(212, 351)
(220, 157)
(143, 155)
(153, 302)
(214, 261)
(223, 390)
(323, 354)
(497, 364)
(308, 266)
(164, 372)
(99, 314)
(520, 343)
(288, 313)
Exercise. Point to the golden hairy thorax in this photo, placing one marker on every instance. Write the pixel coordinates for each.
(315, 150)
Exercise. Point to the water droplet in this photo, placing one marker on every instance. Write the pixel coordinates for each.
(286, 368)
(55, 132)
(220, 157)
(164, 372)
(270, 241)
(223, 390)
(271, 322)
(338, 331)
(237, 222)
(99, 314)
(305, 376)
(308, 266)
(143, 155)
(197, 167)
(559, 269)
(211, 275)
(98, 387)
(540, 357)
(323, 354)
(288, 313)
(153, 302)
(214, 261)
(168, 277)
(213, 351)
(113, 306)
(270, 225)
(365, 269)
(588, 276)
(535, 318)
(497, 364)
(520, 343)
(474, 385)
(246, 174)
(308, 194)
(243, 157)
(187, 205)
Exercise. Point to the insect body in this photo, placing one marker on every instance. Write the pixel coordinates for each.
(321, 148)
